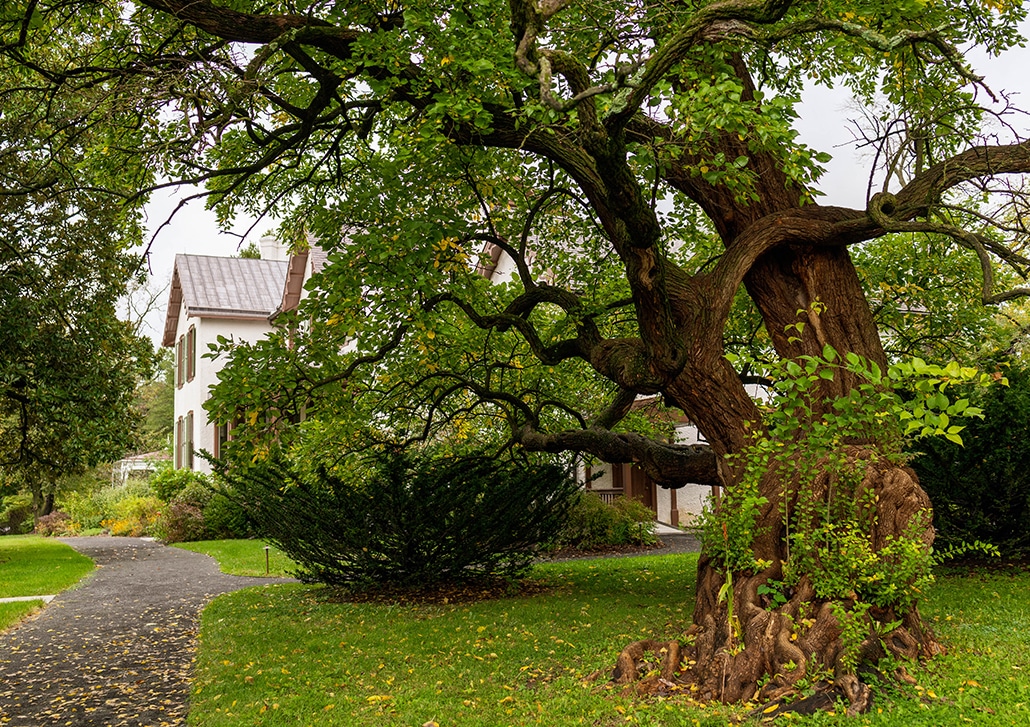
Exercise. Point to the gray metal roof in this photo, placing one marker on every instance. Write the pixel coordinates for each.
(223, 287)
(319, 259)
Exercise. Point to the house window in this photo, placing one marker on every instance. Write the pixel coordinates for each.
(184, 442)
(191, 353)
(180, 362)
(223, 433)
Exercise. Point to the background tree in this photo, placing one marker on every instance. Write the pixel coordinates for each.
(638, 164)
(69, 366)
(156, 400)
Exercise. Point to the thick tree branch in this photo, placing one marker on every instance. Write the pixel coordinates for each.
(926, 190)
(670, 465)
(228, 24)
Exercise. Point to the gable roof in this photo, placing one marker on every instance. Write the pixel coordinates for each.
(222, 287)
(302, 266)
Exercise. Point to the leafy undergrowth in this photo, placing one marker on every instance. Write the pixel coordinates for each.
(243, 557)
(288, 655)
(34, 566)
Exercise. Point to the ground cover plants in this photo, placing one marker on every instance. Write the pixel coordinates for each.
(288, 655)
(171, 505)
(31, 566)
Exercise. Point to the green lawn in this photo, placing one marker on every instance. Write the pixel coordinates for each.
(281, 655)
(243, 557)
(34, 566)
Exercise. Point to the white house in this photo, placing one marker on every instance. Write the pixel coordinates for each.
(677, 507)
(212, 297)
(680, 506)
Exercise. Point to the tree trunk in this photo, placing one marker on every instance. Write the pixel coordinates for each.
(779, 636)
(753, 645)
(42, 502)
(802, 637)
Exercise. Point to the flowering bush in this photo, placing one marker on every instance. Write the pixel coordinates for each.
(134, 516)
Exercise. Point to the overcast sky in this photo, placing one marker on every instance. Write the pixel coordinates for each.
(823, 125)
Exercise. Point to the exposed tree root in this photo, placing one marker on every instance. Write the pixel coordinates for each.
(768, 650)
(630, 666)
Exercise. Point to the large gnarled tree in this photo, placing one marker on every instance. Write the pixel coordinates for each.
(637, 163)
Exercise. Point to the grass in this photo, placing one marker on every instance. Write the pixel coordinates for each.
(243, 557)
(34, 566)
(12, 613)
(282, 655)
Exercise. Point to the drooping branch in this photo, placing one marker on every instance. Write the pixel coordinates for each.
(876, 40)
(670, 465)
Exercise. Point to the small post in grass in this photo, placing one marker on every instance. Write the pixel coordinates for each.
(266, 560)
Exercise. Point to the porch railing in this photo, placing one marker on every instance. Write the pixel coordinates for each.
(609, 494)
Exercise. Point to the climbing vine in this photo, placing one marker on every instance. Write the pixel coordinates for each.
(828, 508)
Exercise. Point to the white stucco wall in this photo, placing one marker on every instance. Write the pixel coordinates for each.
(192, 395)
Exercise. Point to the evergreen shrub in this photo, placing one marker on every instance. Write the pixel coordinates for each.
(981, 491)
(224, 518)
(406, 519)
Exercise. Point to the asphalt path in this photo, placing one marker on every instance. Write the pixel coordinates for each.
(117, 650)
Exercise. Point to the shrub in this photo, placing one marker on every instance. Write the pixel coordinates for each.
(197, 493)
(89, 509)
(224, 518)
(134, 516)
(56, 523)
(167, 482)
(408, 519)
(16, 514)
(180, 522)
(592, 523)
(198, 512)
(981, 491)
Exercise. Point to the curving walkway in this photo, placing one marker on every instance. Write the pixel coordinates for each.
(118, 649)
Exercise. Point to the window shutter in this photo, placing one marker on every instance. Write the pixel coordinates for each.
(178, 443)
(180, 362)
(191, 353)
(188, 453)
